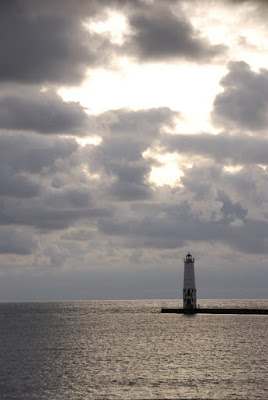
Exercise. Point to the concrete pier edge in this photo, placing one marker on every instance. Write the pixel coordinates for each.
(252, 311)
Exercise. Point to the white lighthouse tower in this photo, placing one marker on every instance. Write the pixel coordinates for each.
(189, 289)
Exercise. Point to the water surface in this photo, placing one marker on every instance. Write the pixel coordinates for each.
(129, 350)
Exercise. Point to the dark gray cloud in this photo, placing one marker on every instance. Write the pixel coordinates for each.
(79, 235)
(56, 255)
(47, 169)
(207, 208)
(48, 218)
(223, 148)
(16, 242)
(32, 153)
(68, 197)
(261, 6)
(43, 112)
(248, 186)
(46, 112)
(244, 101)
(212, 206)
(24, 157)
(130, 191)
(125, 123)
(231, 210)
(127, 172)
(126, 135)
(46, 42)
(17, 184)
(175, 226)
(160, 35)
(36, 187)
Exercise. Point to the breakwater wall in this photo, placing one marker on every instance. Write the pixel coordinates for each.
(252, 311)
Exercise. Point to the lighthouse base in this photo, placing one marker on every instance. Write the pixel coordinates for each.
(215, 311)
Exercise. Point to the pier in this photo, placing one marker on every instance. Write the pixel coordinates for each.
(252, 311)
(189, 297)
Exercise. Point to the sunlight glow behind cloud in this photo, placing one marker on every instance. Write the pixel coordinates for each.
(115, 26)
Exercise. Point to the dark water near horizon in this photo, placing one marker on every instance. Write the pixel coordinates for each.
(129, 350)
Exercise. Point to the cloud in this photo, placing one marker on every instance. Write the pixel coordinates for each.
(47, 42)
(40, 184)
(244, 102)
(211, 206)
(47, 170)
(55, 255)
(47, 113)
(174, 226)
(42, 112)
(78, 235)
(32, 153)
(17, 184)
(50, 43)
(48, 218)
(223, 148)
(125, 122)
(125, 174)
(16, 242)
(126, 134)
(159, 35)
(203, 182)
(230, 209)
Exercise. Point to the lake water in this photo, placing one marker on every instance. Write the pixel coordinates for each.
(129, 350)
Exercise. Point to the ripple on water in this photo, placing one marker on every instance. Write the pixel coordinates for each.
(128, 350)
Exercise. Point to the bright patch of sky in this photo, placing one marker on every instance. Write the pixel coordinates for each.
(246, 40)
(114, 26)
(190, 89)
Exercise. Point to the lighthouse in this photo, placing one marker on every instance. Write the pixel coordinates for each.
(189, 289)
(189, 297)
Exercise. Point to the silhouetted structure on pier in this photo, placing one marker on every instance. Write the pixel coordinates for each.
(189, 297)
(189, 289)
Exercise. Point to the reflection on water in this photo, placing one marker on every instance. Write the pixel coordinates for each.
(129, 350)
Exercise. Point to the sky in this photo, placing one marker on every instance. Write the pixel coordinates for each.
(131, 133)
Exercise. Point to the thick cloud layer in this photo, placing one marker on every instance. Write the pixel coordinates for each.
(126, 136)
(43, 112)
(160, 35)
(244, 102)
(33, 153)
(16, 242)
(213, 206)
(44, 43)
(50, 42)
(83, 209)
(223, 148)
